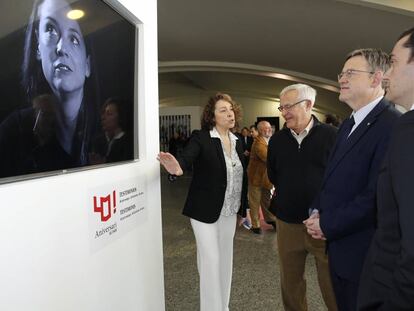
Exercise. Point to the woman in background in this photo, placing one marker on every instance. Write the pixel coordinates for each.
(218, 192)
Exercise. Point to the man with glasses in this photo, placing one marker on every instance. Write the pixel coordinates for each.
(347, 201)
(297, 156)
(387, 281)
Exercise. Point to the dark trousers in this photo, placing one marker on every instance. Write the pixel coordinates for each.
(346, 292)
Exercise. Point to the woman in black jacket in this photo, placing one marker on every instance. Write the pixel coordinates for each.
(217, 194)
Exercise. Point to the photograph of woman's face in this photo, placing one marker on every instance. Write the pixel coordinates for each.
(57, 75)
(61, 48)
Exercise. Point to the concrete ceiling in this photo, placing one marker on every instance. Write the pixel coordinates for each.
(307, 39)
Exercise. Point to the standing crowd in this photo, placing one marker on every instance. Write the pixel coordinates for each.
(341, 194)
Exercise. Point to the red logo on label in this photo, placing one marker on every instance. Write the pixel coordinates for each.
(106, 204)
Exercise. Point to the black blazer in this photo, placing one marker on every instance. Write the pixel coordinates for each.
(387, 281)
(208, 186)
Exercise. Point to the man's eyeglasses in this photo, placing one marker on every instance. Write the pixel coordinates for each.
(289, 106)
(348, 73)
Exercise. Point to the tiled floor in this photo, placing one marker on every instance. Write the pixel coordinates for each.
(256, 283)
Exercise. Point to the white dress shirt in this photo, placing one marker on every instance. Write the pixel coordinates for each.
(301, 136)
(360, 115)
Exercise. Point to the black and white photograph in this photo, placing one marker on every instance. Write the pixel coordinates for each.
(66, 85)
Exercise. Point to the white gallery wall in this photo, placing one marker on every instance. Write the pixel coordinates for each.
(46, 259)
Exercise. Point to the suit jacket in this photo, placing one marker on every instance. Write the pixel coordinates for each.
(388, 277)
(347, 199)
(208, 186)
(246, 145)
(257, 169)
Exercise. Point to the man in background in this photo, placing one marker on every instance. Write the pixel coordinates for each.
(253, 131)
(259, 185)
(247, 142)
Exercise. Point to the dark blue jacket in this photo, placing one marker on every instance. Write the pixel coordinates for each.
(347, 199)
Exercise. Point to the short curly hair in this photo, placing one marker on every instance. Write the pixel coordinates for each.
(207, 118)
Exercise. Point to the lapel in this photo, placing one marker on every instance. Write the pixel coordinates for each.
(220, 152)
(339, 151)
(239, 150)
(261, 140)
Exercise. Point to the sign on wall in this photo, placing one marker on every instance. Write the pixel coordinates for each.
(113, 210)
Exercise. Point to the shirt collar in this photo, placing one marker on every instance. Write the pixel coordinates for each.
(306, 129)
(412, 107)
(117, 136)
(215, 134)
(263, 138)
(364, 111)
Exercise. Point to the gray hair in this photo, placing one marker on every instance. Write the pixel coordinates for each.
(376, 58)
(305, 92)
(261, 124)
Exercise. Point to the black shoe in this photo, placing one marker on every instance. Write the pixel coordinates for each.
(256, 230)
(272, 223)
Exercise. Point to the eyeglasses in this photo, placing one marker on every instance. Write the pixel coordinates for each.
(348, 73)
(289, 106)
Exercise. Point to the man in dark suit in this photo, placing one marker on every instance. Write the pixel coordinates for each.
(387, 281)
(346, 203)
(247, 142)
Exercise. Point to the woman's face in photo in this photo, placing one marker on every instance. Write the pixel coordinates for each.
(61, 48)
